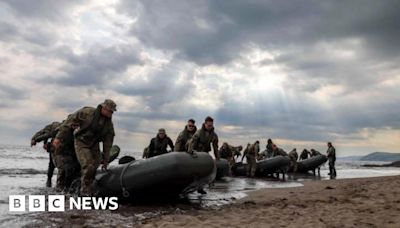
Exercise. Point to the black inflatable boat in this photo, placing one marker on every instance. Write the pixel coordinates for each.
(169, 174)
(311, 164)
(222, 168)
(267, 166)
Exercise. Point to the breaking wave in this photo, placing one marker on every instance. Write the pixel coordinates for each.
(21, 171)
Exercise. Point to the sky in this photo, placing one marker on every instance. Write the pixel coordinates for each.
(299, 72)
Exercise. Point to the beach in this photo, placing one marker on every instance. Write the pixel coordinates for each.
(358, 197)
(362, 202)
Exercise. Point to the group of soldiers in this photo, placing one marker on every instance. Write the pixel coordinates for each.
(74, 146)
(191, 139)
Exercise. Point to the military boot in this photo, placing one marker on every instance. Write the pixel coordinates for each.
(48, 182)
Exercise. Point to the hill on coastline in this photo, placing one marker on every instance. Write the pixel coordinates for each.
(381, 156)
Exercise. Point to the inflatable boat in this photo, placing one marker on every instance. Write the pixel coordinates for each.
(222, 168)
(170, 174)
(311, 164)
(267, 166)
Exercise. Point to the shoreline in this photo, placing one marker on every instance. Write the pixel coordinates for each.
(358, 202)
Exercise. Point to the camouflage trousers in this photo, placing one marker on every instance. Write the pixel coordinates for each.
(293, 164)
(67, 165)
(332, 169)
(89, 158)
(251, 165)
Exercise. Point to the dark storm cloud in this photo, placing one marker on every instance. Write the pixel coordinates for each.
(41, 9)
(231, 25)
(11, 93)
(97, 66)
(12, 33)
(161, 87)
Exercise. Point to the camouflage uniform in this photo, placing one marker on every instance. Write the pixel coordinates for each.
(66, 160)
(331, 154)
(91, 128)
(251, 155)
(229, 152)
(159, 146)
(48, 132)
(293, 156)
(182, 142)
(269, 150)
(202, 139)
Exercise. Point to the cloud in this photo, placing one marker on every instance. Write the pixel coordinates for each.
(301, 72)
(98, 66)
(41, 9)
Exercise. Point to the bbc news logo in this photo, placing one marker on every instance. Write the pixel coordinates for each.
(57, 203)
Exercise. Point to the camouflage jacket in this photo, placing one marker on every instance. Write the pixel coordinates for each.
(226, 152)
(293, 155)
(252, 150)
(331, 153)
(46, 133)
(159, 146)
(90, 128)
(202, 139)
(181, 143)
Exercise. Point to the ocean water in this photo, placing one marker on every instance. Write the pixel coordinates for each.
(23, 172)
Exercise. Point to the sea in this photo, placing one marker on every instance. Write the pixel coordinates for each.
(23, 171)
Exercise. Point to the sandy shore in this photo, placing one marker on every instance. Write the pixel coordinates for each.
(367, 202)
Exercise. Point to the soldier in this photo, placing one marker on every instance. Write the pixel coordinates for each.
(229, 152)
(269, 150)
(251, 155)
(91, 126)
(278, 151)
(246, 151)
(315, 153)
(182, 141)
(331, 154)
(202, 140)
(237, 152)
(293, 156)
(304, 154)
(65, 159)
(44, 135)
(158, 145)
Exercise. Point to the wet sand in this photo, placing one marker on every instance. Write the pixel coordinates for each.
(363, 202)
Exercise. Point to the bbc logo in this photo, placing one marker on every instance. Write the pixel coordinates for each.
(36, 203)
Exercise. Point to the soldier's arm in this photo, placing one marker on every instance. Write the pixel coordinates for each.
(215, 147)
(178, 142)
(72, 121)
(42, 134)
(151, 148)
(107, 144)
(171, 144)
(44, 137)
(244, 153)
(193, 142)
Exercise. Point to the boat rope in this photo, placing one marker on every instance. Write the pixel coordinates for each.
(125, 192)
